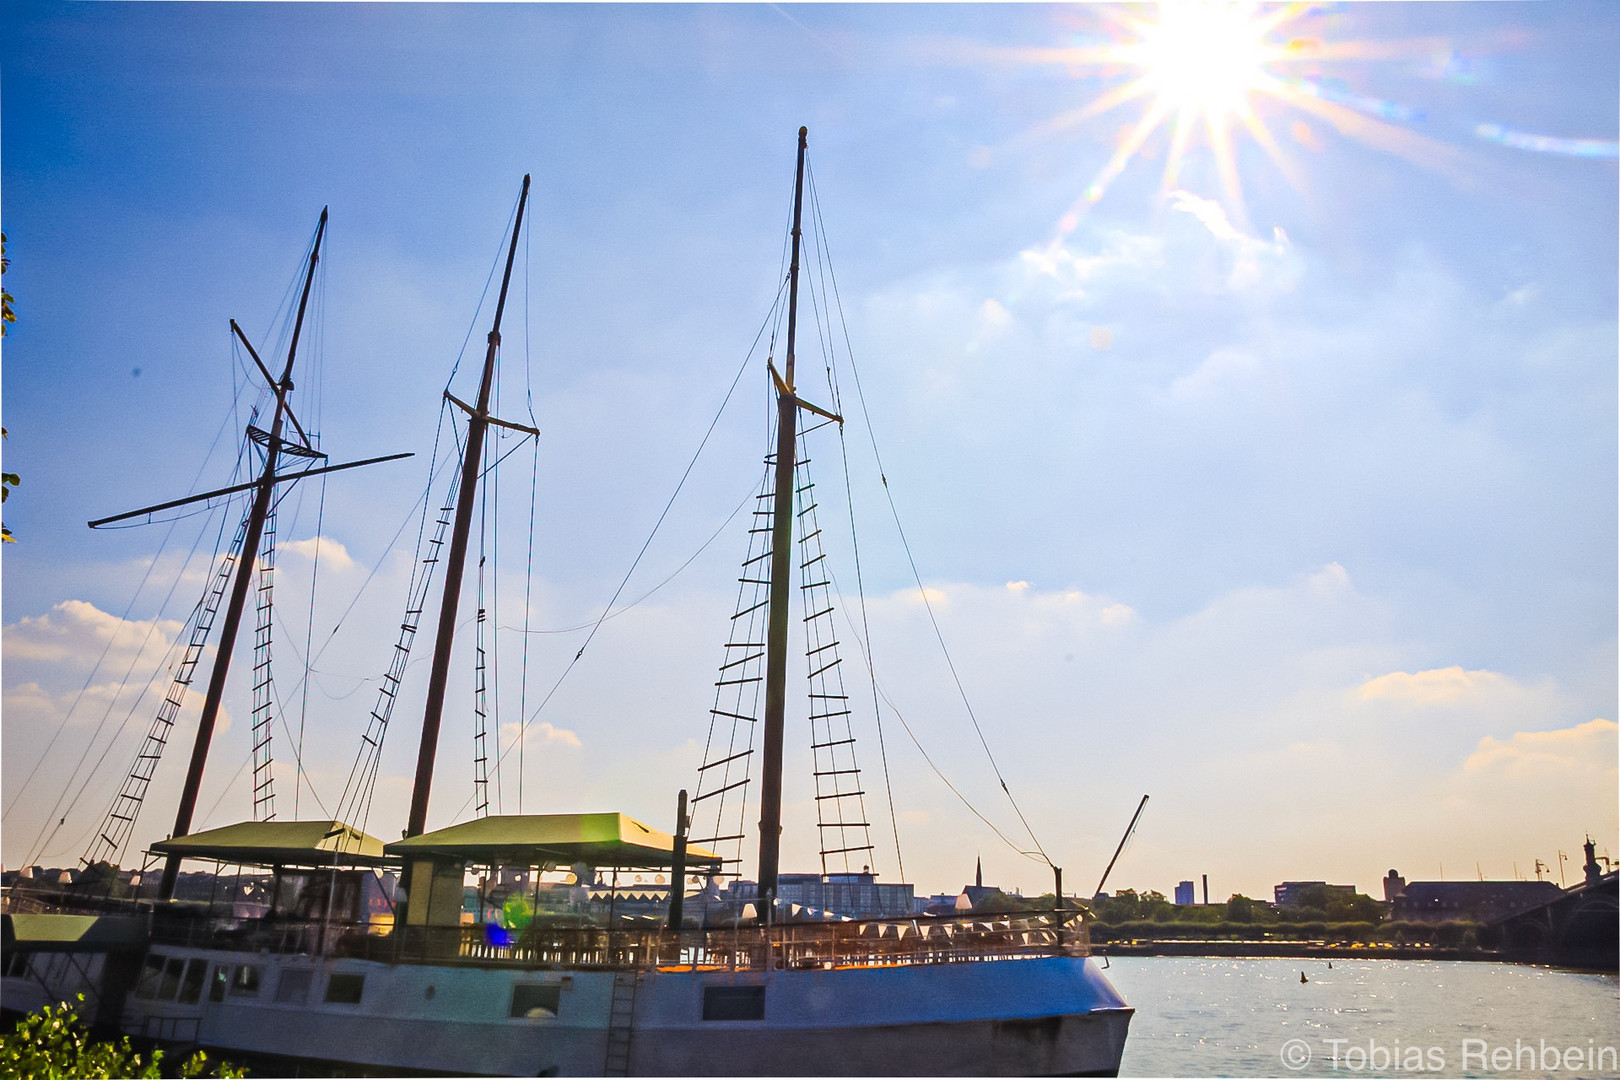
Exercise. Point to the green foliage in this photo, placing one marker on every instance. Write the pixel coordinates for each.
(101, 879)
(1128, 906)
(52, 1044)
(7, 316)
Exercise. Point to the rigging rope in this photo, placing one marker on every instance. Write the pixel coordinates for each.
(911, 560)
(659, 523)
(309, 641)
(219, 432)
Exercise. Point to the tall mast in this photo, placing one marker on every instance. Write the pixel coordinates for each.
(787, 414)
(264, 489)
(478, 421)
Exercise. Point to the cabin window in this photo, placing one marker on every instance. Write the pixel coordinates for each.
(344, 989)
(245, 983)
(535, 1001)
(171, 978)
(218, 984)
(734, 1003)
(294, 986)
(151, 973)
(191, 986)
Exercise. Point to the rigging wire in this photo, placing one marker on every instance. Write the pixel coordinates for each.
(45, 838)
(484, 295)
(534, 486)
(309, 639)
(823, 249)
(123, 725)
(233, 414)
(609, 611)
(659, 523)
(140, 586)
(916, 574)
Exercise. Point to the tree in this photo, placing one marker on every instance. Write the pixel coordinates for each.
(1240, 909)
(7, 480)
(52, 1044)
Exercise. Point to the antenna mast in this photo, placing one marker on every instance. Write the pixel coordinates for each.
(265, 487)
(478, 421)
(787, 414)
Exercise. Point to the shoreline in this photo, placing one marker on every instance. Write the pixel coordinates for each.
(1304, 950)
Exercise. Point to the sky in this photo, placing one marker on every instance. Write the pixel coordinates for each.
(1248, 413)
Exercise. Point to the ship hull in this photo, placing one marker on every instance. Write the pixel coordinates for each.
(1037, 1016)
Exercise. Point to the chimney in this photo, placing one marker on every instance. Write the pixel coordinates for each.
(1206, 890)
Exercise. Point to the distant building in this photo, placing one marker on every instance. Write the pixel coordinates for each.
(1289, 893)
(1393, 884)
(856, 895)
(978, 892)
(1476, 901)
(1184, 893)
(1594, 872)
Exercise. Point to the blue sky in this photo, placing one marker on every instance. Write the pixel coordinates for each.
(1285, 492)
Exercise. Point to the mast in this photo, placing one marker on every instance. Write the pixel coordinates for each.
(478, 421)
(265, 487)
(787, 413)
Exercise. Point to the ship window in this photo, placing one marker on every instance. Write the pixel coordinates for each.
(171, 979)
(191, 987)
(246, 981)
(534, 1001)
(151, 971)
(734, 1003)
(217, 985)
(294, 986)
(344, 989)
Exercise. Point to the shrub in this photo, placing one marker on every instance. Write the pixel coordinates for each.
(52, 1044)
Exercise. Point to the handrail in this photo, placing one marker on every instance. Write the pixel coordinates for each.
(571, 943)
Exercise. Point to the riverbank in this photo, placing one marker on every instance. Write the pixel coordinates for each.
(1329, 950)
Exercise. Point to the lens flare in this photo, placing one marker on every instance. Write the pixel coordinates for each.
(1209, 72)
(1204, 59)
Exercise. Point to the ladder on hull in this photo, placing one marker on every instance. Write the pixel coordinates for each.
(621, 1014)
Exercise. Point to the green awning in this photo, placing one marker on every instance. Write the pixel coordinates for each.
(73, 933)
(279, 843)
(552, 839)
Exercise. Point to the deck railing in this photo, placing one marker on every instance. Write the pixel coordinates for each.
(738, 947)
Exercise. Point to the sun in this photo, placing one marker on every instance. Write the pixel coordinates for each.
(1204, 59)
(1209, 72)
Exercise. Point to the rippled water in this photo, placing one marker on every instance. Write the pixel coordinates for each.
(1224, 1017)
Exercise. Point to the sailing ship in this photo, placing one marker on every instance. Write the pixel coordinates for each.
(319, 982)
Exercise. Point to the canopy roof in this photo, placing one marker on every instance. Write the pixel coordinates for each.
(279, 843)
(73, 933)
(556, 839)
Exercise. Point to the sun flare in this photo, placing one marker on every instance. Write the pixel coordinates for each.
(1212, 73)
(1203, 59)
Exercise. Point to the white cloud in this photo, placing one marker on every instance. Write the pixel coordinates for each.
(1449, 687)
(1582, 748)
(330, 552)
(1209, 212)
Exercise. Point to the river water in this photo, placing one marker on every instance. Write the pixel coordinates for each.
(1228, 1017)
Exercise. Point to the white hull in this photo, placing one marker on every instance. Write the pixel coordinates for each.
(1037, 1016)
